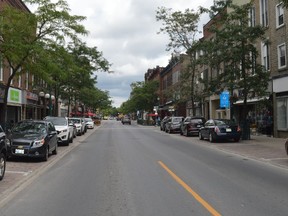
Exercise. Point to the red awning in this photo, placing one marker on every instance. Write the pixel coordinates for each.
(152, 114)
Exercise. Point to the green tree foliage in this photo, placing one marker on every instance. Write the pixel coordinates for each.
(143, 97)
(37, 43)
(182, 29)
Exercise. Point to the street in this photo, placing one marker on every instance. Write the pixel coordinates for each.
(131, 170)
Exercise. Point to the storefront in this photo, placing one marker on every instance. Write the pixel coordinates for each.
(30, 106)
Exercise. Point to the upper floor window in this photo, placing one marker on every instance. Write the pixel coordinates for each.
(27, 80)
(175, 77)
(282, 56)
(265, 58)
(11, 72)
(252, 18)
(264, 12)
(279, 15)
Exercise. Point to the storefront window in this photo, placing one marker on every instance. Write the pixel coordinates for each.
(282, 113)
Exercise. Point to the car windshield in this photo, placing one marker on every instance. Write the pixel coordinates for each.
(196, 121)
(177, 119)
(29, 127)
(58, 121)
(88, 119)
(77, 121)
(219, 122)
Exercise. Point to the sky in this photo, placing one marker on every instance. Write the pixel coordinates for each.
(126, 33)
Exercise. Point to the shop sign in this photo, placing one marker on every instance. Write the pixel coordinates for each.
(225, 99)
(14, 96)
(31, 96)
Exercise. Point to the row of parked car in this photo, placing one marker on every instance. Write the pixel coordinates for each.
(213, 129)
(40, 138)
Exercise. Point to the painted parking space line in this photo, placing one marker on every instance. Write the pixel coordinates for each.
(196, 196)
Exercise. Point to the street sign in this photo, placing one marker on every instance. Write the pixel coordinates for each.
(225, 99)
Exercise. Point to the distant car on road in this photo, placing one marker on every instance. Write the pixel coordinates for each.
(32, 138)
(3, 153)
(220, 129)
(89, 123)
(80, 125)
(173, 124)
(163, 122)
(191, 125)
(126, 120)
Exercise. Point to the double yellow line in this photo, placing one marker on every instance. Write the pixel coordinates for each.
(189, 189)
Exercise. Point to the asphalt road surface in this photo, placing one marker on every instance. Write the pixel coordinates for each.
(131, 170)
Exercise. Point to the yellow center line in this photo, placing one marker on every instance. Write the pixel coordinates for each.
(189, 189)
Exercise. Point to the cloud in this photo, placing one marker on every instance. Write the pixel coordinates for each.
(126, 33)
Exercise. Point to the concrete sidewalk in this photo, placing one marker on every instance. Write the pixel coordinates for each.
(260, 147)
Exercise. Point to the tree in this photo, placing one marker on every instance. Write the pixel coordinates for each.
(182, 29)
(24, 35)
(234, 47)
(142, 97)
(37, 42)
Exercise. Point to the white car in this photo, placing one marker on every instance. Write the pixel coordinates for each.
(80, 125)
(64, 129)
(89, 123)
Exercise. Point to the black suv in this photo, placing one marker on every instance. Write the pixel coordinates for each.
(3, 153)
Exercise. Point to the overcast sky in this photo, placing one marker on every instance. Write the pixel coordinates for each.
(126, 33)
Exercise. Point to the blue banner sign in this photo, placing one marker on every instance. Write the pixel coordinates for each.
(225, 99)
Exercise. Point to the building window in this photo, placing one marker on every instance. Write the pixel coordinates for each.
(175, 77)
(11, 72)
(252, 18)
(281, 56)
(27, 80)
(282, 113)
(19, 77)
(279, 15)
(265, 56)
(264, 12)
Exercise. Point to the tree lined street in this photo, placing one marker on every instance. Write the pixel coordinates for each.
(137, 170)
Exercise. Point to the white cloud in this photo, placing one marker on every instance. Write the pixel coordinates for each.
(126, 33)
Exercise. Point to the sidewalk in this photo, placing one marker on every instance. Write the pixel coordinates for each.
(260, 147)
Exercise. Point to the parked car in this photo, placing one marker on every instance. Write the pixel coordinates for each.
(173, 124)
(80, 125)
(220, 129)
(32, 138)
(126, 120)
(63, 128)
(74, 128)
(191, 125)
(3, 153)
(89, 123)
(163, 122)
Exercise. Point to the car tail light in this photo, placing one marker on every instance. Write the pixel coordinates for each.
(217, 130)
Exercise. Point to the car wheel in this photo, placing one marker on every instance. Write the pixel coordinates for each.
(200, 136)
(55, 151)
(2, 166)
(46, 155)
(211, 139)
(286, 146)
